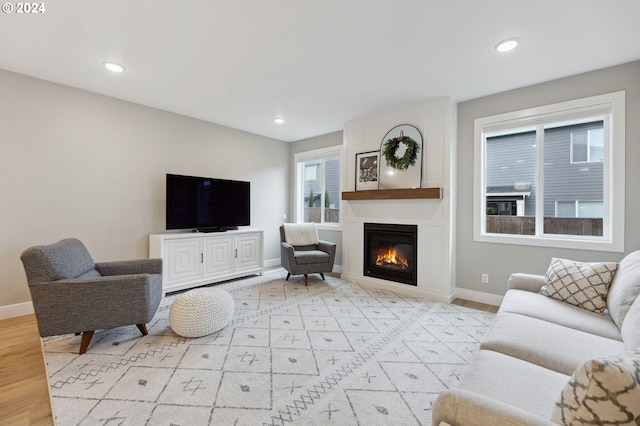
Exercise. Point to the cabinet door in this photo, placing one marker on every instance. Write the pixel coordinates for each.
(248, 252)
(218, 256)
(184, 260)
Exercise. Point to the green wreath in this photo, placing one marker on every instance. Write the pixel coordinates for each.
(409, 157)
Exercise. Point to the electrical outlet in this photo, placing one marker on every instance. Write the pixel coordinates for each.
(485, 278)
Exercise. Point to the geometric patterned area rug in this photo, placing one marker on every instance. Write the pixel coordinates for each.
(332, 353)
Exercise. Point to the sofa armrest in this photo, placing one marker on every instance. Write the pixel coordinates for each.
(527, 282)
(463, 408)
(128, 267)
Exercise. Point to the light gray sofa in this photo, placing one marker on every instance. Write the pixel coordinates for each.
(535, 345)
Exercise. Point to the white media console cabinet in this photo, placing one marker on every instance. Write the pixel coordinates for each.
(195, 259)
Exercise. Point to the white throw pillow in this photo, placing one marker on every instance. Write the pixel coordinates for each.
(603, 391)
(583, 284)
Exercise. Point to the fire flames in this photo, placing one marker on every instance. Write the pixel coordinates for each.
(391, 258)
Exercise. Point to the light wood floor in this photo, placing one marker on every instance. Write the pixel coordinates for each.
(476, 305)
(24, 389)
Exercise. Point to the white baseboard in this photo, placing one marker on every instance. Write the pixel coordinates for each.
(17, 310)
(389, 285)
(478, 296)
(271, 263)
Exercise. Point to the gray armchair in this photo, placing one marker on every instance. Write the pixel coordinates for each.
(308, 259)
(72, 294)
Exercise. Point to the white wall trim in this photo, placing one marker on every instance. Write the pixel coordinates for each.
(271, 263)
(17, 310)
(478, 296)
(389, 285)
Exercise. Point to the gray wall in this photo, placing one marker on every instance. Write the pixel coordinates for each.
(500, 260)
(78, 164)
(318, 142)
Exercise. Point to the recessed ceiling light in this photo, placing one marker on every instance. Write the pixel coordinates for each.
(112, 66)
(507, 45)
(278, 120)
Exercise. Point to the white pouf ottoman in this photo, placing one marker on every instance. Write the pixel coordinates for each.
(202, 311)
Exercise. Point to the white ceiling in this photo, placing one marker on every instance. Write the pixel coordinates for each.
(317, 63)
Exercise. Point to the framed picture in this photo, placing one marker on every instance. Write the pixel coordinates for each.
(367, 170)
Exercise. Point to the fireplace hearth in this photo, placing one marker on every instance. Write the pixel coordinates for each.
(390, 252)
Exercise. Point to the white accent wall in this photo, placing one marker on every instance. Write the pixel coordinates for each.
(436, 121)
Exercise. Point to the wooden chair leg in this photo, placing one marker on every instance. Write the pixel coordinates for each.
(86, 339)
(142, 328)
(305, 279)
(288, 275)
(322, 275)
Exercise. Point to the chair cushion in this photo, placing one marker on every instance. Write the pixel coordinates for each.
(309, 257)
(602, 391)
(583, 284)
(66, 259)
(625, 287)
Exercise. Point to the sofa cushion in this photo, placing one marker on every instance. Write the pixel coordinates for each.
(583, 284)
(602, 391)
(545, 308)
(501, 377)
(625, 287)
(631, 326)
(546, 344)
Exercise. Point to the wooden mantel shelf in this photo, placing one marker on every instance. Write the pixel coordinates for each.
(393, 194)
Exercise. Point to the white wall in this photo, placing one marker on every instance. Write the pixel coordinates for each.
(500, 260)
(436, 121)
(78, 164)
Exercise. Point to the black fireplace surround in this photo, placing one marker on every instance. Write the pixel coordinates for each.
(390, 252)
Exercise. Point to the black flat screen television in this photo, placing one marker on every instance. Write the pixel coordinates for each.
(207, 204)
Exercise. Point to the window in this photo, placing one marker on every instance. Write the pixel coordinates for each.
(577, 208)
(318, 186)
(312, 170)
(587, 146)
(552, 176)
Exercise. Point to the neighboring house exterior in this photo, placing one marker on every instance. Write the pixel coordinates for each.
(317, 198)
(573, 172)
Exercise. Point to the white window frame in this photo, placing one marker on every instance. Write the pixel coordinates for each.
(298, 160)
(609, 105)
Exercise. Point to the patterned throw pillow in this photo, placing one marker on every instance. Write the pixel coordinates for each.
(581, 284)
(604, 391)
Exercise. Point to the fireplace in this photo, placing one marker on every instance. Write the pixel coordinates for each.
(390, 252)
